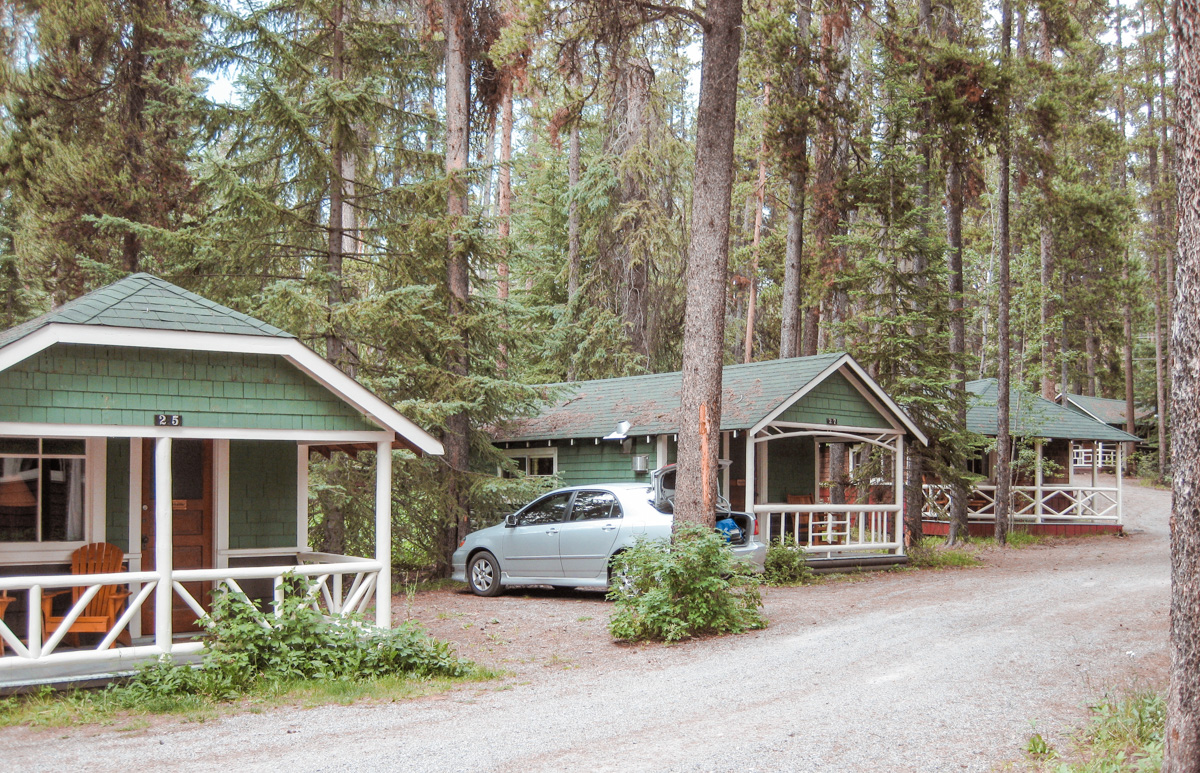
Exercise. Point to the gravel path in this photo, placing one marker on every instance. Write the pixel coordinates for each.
(906, 671)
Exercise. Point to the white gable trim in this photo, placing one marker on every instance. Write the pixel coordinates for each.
(866, 386)
(1085, 411)
(298, 354)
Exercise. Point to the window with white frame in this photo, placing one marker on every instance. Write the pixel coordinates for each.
(533, 462)
(42, 489)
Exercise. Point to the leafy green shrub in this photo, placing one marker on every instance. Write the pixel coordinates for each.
(249, 647)
(786, 565)
(672, 590)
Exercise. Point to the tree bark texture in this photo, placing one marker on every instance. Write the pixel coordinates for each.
(574, 261)
(959, 530)
(1046, 239)
(831, 153)
(793, 276)
(1156, 248)
(760, 192)
(708, 260)
(458, 89)
(1183, 701)
(1004, 356)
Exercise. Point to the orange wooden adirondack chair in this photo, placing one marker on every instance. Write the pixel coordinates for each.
(103, 610)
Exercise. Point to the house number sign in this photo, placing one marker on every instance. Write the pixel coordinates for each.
(168, 420)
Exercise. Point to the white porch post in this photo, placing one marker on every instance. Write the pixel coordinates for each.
(164, 541)
(765, 527)
(1120, 486)
(383, 533)
(899, 493)
(1037, 480)
(1097, 449)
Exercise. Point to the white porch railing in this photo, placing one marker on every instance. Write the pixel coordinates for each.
(1081, 456)
(329, 594)
(833, 529)
(1033, 504)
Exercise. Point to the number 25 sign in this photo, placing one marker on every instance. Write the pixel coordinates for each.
(168, 420)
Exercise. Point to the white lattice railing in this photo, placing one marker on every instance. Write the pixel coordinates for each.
(329, 593)
(833, 528)
(1032, 504)
(1081, 456)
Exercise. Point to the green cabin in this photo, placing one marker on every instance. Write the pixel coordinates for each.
(178, 430)
(815, 439)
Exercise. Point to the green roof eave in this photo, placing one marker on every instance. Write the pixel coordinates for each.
(650, 403)
(1035, 416)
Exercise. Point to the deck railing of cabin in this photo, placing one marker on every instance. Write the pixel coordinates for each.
(833, 530)
(1081, 456)
(1052, 503)
(328, 593)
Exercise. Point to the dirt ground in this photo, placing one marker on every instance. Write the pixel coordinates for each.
(908, 671)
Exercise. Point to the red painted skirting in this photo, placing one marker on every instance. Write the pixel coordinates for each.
(977, 529)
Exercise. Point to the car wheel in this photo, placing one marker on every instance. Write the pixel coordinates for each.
(483, 575)
(619, 578)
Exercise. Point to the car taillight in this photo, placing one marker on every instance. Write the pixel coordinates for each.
(755, 527)
(462, 542)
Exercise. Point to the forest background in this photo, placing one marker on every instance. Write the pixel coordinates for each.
(457, 201)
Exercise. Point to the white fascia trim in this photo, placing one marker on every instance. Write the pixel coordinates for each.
(788, 403)
(20, 429)
(896, 410)
(862, 382)
(295, 352)
(873, 397)
(1086, 411)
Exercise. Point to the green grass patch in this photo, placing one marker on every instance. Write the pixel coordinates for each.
(932, 553)
(1016, 539)
(1125, 734)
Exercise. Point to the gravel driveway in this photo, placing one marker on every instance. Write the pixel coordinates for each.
(906, 671)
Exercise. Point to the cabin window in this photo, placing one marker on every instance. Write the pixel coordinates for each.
(533, 462)
(980, 464)
(41, 490)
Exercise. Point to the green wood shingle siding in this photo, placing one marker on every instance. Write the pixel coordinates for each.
(835, 398)
(116, 497)
(586, 462)
(78, 384)
(262, 494)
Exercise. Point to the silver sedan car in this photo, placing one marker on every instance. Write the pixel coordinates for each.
(569, 537)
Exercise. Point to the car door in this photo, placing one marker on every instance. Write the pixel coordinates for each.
(531, 546)
(585, 541)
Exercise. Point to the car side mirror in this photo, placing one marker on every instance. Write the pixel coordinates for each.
(510, 520)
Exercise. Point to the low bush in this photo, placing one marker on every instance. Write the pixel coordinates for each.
(669, 591)
(249, 648)
(786, 565)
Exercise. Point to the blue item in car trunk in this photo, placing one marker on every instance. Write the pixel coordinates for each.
(729, 527)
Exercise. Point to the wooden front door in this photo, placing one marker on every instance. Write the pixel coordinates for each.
(192, 522)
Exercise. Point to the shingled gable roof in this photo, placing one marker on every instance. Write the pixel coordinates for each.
(1034, 416)
(1105, 409)
(147, 302)
(650, 404)
(144, 311)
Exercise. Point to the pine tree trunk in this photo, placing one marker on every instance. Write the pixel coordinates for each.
(504, 187)
(760, 193)
(830, 156)
(1046, 239)
(1182, 754)
(1004, 358)
(1156, 248)
(793, 277)
(574, 267)
(457, 427)
(1126, 264)
(708, 260)
(959, 530)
